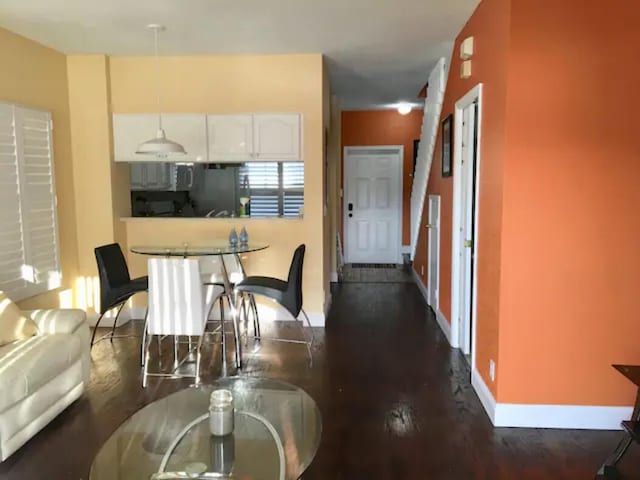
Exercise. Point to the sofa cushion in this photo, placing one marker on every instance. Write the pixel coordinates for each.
(57, 321)
(27, 365)
(13, 324)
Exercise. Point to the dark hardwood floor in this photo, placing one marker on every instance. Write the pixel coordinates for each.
(395, 399)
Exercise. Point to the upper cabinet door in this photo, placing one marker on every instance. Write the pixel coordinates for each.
(277, 136)
(230, 137)
(131, 129)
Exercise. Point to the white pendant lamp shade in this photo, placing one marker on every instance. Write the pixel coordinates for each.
(160, 145)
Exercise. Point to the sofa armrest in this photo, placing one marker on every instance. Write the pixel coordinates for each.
(58, 321)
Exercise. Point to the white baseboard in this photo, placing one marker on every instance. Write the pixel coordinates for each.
(327, 303)
(334, 277)
(440, 318)
(548, 416)
(126, 315)
(484, 394)
(445, 326)
(421, 286)
(267, 310)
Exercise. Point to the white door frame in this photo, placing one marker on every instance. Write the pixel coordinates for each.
(392, 149)
(436, 198)
(474, 94)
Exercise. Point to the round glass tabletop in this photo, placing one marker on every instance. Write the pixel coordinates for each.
(221, 247)
(136, 449)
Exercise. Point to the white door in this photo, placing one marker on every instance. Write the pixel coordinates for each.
(373, 205)
(230, 137)
(433, 265)
(466, 232)
(277, 136)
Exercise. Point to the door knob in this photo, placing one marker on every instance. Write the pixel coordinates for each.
(430, 226)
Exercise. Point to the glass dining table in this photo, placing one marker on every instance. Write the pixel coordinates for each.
(220, 248)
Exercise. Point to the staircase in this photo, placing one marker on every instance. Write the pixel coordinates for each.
(430, 128)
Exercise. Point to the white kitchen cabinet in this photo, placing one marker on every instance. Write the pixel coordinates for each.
(277, 136)
(188, 129)
(230, 137)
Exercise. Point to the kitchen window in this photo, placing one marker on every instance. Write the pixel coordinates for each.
(276, 189)
(29, 249)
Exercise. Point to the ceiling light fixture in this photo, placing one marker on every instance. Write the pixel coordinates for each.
(160, 145)
(404, 108)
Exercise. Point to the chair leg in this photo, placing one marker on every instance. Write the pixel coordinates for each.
(223, 339)
(245, 317)
(236, 335)
(198, 358)
(144, 337)
(145, 370)
(256, 319)
(115, 321)
(95, 329)
(310, 342)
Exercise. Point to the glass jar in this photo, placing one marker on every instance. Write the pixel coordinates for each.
(221, 413)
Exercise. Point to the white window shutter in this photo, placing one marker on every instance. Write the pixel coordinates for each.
(29, 249)
(12, 253)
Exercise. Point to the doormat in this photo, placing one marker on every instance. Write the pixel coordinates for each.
(376, 273)
(373, 265)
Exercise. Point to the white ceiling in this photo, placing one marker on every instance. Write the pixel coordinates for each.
(379, 51)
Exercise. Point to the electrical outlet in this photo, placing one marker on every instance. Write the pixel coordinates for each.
(422, 270)
(492, 370)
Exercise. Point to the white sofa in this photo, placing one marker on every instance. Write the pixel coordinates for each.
(42, 375)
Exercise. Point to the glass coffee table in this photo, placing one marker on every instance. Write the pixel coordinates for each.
(136, 449)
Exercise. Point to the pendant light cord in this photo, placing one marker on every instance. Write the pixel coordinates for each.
(155, 43)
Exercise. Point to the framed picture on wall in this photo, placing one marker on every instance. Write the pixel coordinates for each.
(416, 147)
(447, 137)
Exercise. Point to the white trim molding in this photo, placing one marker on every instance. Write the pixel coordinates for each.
(471, 96)
(548, 416)
(445, 326)
(440, 318)
(267, 310)
(334, 277)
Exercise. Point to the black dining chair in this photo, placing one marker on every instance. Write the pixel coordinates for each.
(288, 294)
(116, 286)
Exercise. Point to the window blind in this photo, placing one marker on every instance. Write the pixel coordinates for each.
(275, 188)
(29, 250)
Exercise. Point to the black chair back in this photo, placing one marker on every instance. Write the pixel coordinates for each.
(293, 296)
(112, 271)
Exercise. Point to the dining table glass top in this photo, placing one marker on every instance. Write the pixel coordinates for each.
(214, 247)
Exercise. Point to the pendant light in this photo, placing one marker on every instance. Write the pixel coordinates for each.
(160, 145)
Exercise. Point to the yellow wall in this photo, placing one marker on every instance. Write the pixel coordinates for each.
(335, 178)
(101, 186)
(235, 84)
(36, 76)
(83, 91)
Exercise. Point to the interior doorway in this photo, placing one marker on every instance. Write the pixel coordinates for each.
(373, 204)
(466, 168)
(433, 263)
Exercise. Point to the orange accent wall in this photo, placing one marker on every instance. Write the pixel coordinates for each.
(489, 25)
(558, 247)
(571, 238)
(387, 127)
